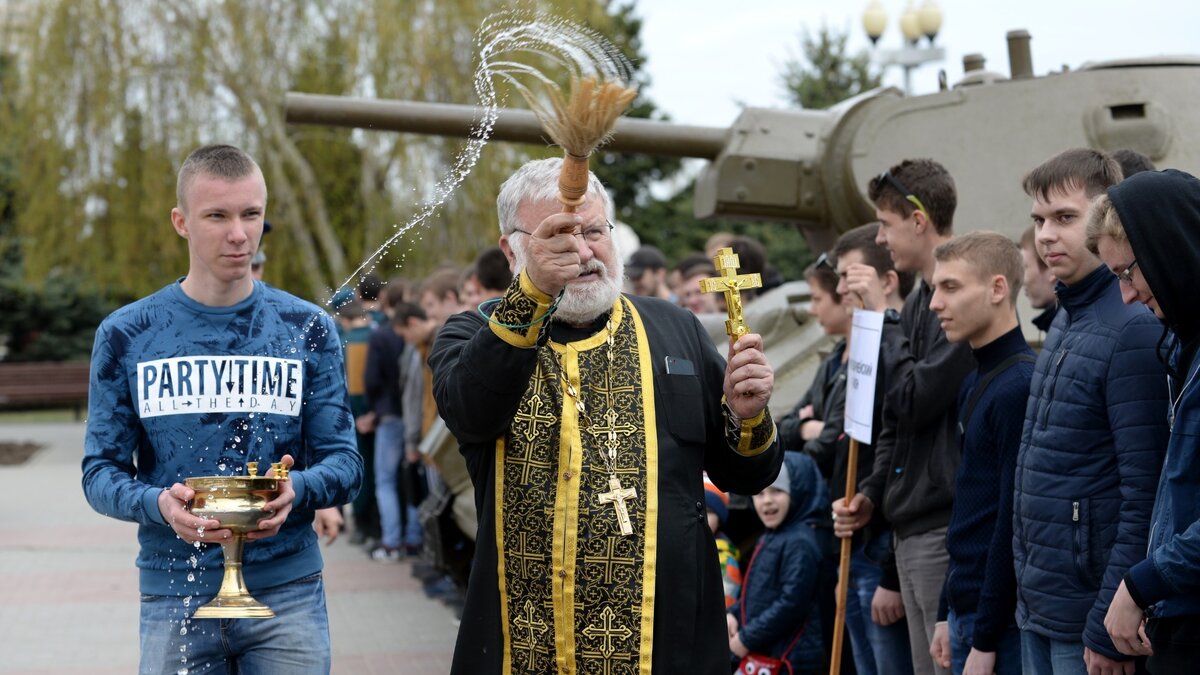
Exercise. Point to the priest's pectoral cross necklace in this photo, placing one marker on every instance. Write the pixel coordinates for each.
(616, 495)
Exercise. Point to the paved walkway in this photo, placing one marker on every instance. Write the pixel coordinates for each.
(69, 593)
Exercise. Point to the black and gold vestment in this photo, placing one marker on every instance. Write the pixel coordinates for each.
(556, 587)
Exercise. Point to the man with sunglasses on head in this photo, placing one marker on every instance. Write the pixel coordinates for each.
(917, 452)
(1094, 438)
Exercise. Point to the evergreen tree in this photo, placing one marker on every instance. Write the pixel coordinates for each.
(826, 74)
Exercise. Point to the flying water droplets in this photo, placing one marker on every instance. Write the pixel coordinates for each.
(505, 41)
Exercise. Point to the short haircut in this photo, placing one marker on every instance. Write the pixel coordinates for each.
(404, 311)
(1104, 221)
(352, 311)
(396, 291)
(703, 267)
(441, 283)
(928, 181)
(491, 269)
(1029, 241)
(537, 181)
(464, 276)
(1079, 168)
(862, 239)
(718, 240)
(988, 254)
(369, 286)
(752, 255)
(691, 260)
(1132, 162)
(220, 161)
(824, 276)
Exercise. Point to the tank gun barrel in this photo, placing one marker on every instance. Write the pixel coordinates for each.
(519, 126)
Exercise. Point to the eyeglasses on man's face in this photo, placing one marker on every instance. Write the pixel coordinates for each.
(592, 234)
(887, 177)
(1125, 276)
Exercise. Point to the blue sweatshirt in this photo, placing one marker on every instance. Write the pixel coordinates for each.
(980, 577)
(179, 389)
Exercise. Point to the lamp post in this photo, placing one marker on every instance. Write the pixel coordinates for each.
(914, 23)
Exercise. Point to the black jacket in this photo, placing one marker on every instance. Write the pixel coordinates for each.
(382, 372)
(827, 396)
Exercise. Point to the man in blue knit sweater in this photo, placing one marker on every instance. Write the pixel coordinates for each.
(975, 289)
(211, 372)
(1094, 437)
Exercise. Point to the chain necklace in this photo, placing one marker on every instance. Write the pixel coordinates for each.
(616, 494)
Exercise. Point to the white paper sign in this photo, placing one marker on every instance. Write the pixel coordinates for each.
(861, 370)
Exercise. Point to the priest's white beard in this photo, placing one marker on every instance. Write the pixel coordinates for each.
(581, 303)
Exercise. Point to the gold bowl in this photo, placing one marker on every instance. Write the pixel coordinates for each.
(237, 503)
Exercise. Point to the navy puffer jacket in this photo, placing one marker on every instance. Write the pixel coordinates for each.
(1091, 452)
(779, 594)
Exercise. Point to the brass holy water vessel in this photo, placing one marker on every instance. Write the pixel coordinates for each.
(237, 502)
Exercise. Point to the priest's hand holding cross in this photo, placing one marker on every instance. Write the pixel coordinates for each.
(749, 379)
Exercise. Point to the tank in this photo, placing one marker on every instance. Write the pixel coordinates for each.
(811, 168)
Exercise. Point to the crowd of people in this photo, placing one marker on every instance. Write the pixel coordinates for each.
(1005, 498)
(1017, 511)
(1008, 495)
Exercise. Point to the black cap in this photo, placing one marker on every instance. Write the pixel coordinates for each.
(645, 258)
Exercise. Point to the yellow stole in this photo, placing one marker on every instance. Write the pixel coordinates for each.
(575, 594)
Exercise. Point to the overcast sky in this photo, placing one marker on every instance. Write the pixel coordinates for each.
(706, 56)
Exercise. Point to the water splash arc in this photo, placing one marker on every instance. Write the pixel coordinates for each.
(503, 40)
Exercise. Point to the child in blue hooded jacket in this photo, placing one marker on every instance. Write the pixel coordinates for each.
(777, 614)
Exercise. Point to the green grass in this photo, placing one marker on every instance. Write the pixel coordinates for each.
(29, 416)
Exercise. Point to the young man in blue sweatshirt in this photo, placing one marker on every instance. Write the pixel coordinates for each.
(975, 288)
(211, 372)
(1147, 231)
(1094, 436)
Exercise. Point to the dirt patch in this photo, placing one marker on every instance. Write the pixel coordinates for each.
(17, 452)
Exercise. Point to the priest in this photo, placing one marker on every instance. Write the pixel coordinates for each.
(587, 419)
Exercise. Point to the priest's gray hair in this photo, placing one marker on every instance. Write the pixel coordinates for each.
(537, 181)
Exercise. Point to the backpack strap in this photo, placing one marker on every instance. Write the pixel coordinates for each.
(982, 385)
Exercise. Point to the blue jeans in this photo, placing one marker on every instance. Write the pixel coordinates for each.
(1044, 656)
(962, 637)
(295, 641)
(878, 650)
(389, 458)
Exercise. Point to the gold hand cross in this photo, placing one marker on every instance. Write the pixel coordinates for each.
(731, 284)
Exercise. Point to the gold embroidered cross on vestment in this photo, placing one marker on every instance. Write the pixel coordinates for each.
(616, 495)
